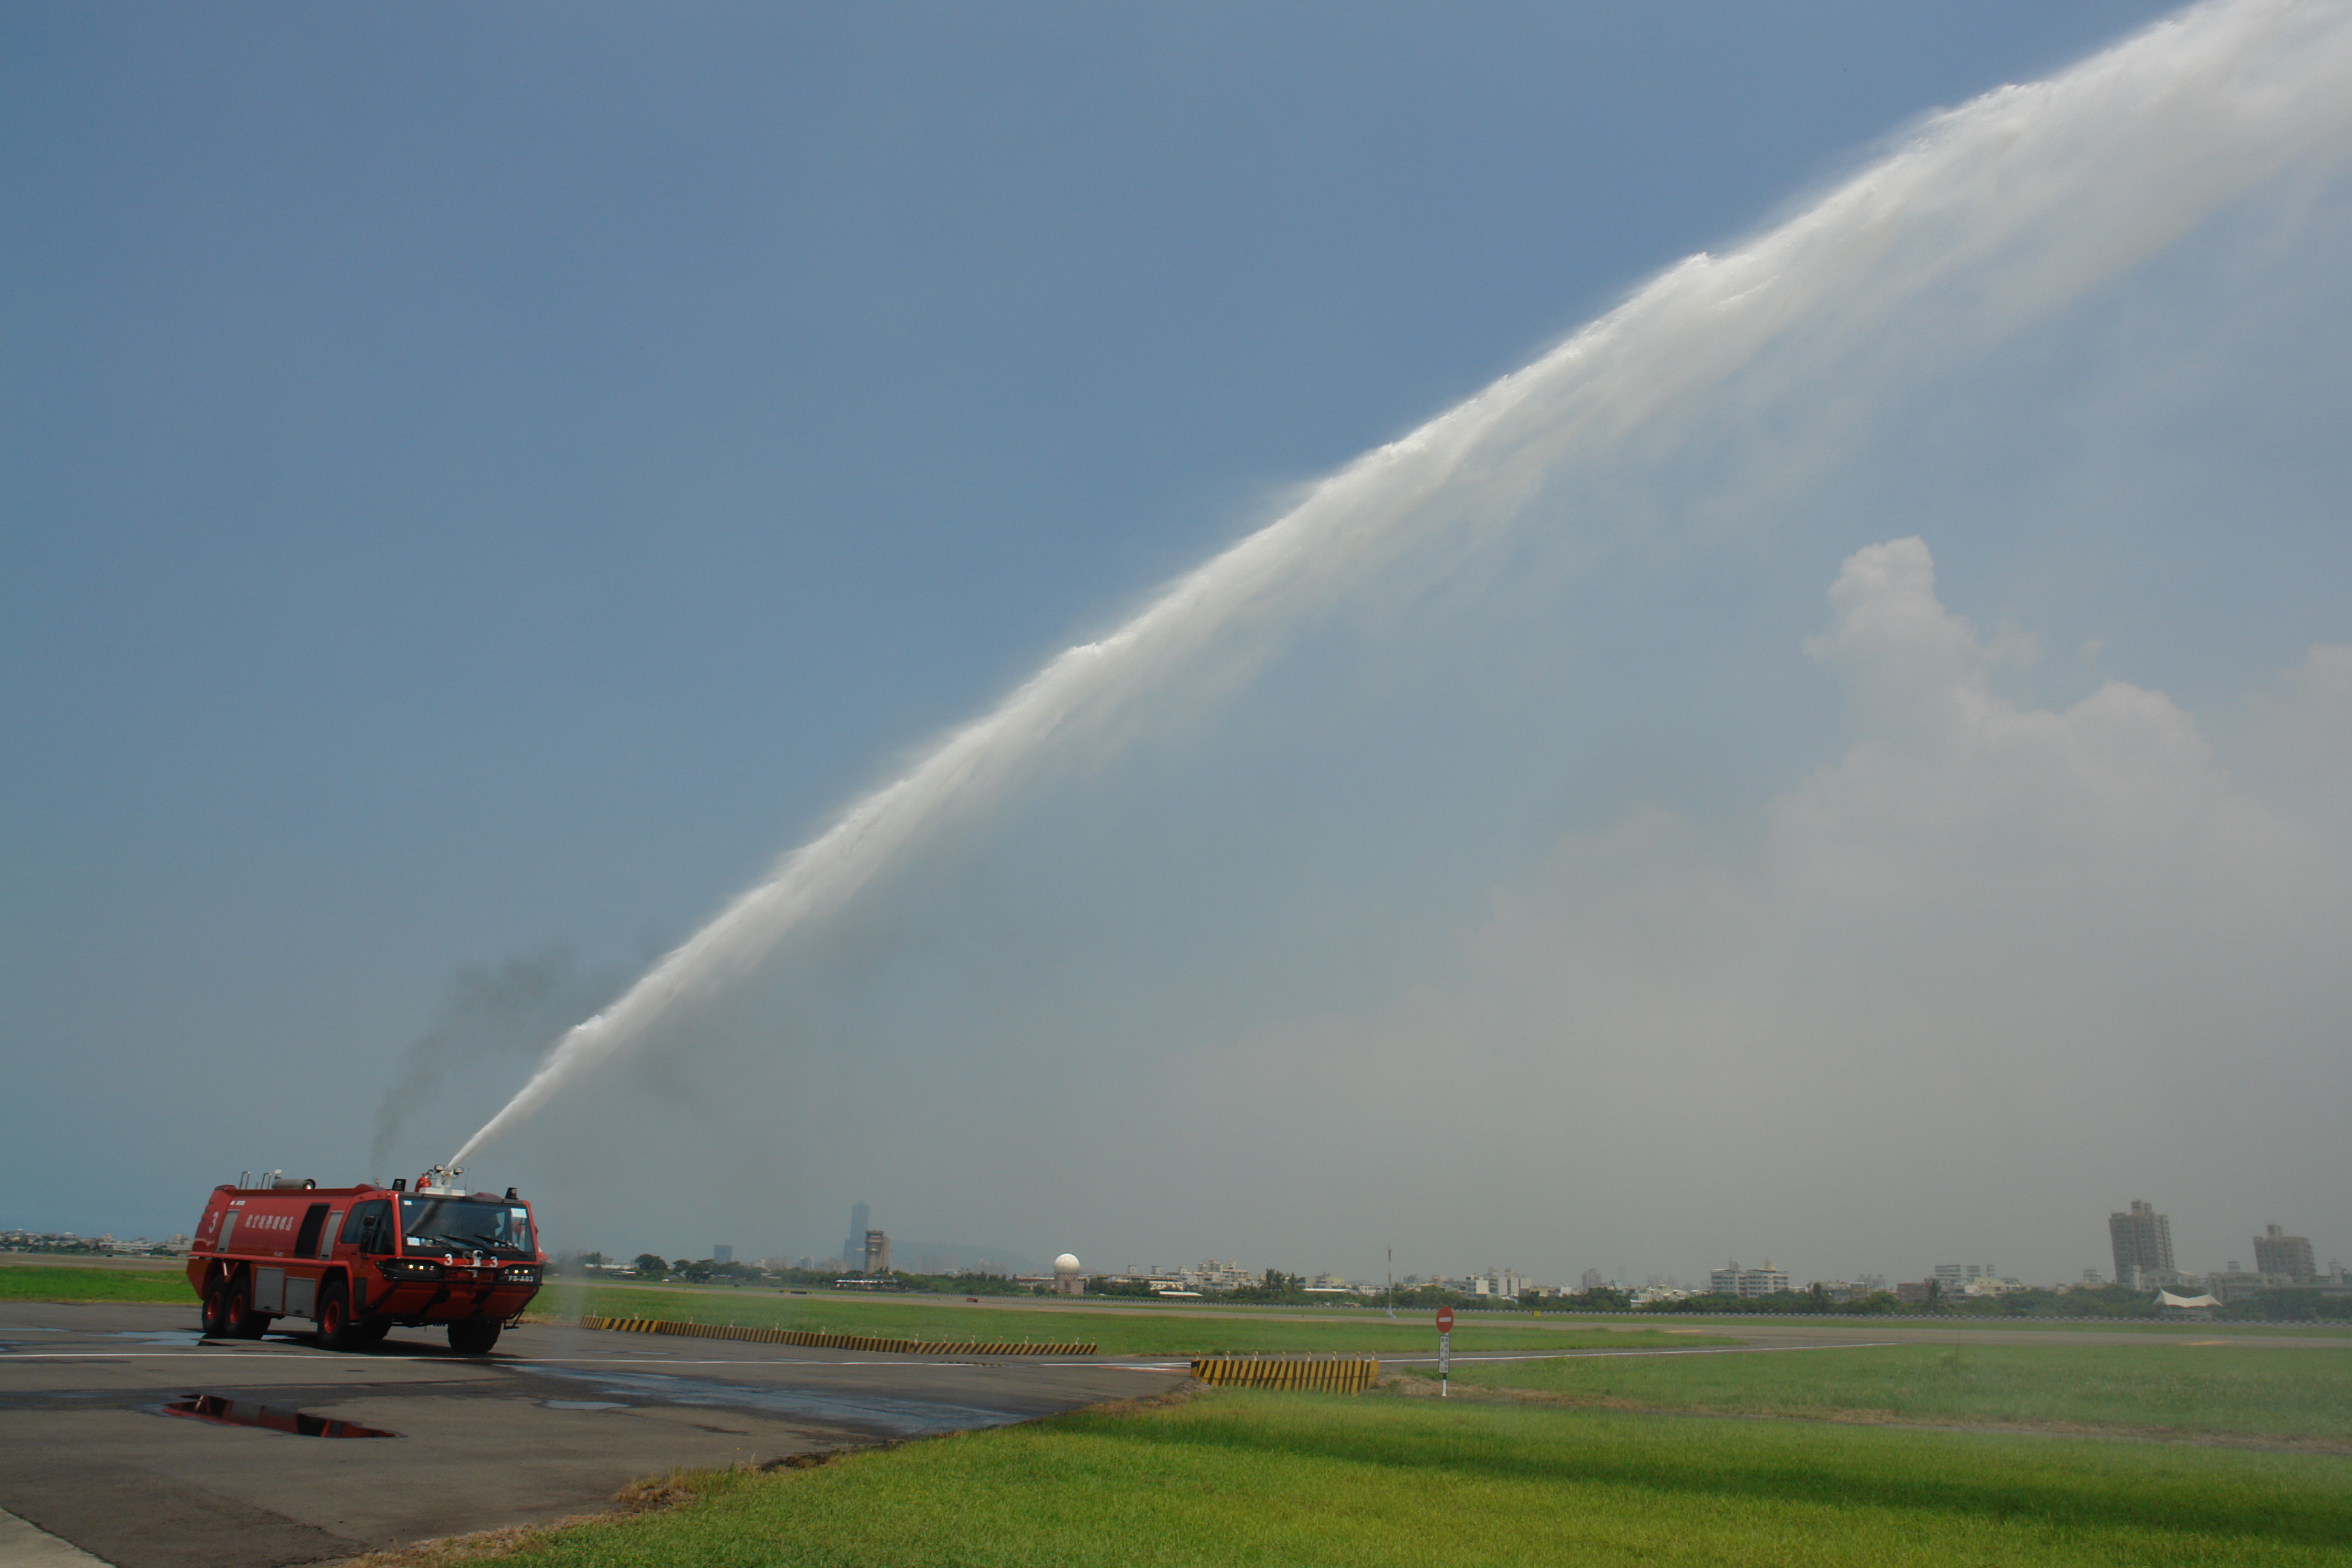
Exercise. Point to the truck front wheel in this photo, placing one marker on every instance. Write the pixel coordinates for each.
(474, 1336)
(336, 1330)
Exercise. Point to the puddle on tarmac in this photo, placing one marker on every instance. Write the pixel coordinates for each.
(585, 1405)
(272, 1418)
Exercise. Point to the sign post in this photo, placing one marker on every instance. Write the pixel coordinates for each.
(1444, 1348)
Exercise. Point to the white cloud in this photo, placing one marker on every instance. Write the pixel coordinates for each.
(1950, 791)
(2301, 738)
(1992, 968)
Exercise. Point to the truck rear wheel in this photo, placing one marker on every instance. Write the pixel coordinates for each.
(219, 1318)
(474, 1336)
(336, 1329)
(244, 1323)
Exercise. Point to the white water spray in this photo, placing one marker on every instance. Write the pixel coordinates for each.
(2029, 196)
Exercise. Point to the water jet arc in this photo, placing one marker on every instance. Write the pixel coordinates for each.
(2030, 195)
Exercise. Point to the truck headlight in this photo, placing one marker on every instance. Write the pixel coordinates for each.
(408, 1268)
(523, 1274)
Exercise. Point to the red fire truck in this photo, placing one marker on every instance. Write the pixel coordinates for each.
(357, 1261)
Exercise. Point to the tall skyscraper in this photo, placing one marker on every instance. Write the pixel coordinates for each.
(2275, 1252)
(2143, 1243)
(852, 1252)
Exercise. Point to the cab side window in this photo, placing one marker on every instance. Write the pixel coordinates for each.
(369, 1227)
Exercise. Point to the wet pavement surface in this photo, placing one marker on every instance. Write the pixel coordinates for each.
(552, 1423)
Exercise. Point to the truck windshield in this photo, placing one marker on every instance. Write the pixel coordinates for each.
(462, 1224)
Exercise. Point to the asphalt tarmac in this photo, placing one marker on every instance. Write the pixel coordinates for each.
(552, 1423)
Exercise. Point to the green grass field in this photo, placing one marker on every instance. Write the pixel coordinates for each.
(1242, 1477)
(2181, 1387)
(40, 1282)
(1114, 1333)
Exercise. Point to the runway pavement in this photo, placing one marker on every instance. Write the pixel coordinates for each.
(552, 1423)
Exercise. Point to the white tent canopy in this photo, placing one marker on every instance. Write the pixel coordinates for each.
(2167, 1299)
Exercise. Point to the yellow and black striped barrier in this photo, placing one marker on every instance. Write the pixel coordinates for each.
(821, 1341)
(1338, 1375)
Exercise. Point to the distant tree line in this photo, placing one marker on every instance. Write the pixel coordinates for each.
(652, 1266)
(1277, 1287)
(2289, 1307)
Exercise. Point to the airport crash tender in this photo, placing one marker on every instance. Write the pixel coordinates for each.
(357, 1261)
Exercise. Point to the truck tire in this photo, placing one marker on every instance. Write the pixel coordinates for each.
(474, 1336)
(244, 1323)
(219, 1318)
(336, 1329)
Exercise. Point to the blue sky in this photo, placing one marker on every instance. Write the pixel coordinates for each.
(482, 482)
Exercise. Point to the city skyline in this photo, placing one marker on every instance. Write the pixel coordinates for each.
(2276, 1253)
(2139, 1236)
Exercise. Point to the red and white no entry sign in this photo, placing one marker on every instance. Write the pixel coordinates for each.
(1445, 1320)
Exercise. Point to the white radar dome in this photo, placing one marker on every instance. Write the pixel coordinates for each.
(1066, 1264)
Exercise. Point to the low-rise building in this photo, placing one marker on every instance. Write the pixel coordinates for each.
(1735, 1280)
(1839, 1292)
(1214, 1276)
(1955, 1278)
